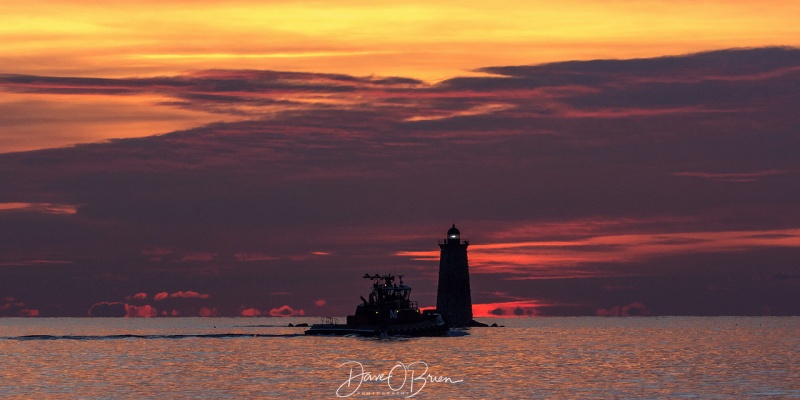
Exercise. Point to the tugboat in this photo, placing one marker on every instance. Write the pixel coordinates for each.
(388, 312)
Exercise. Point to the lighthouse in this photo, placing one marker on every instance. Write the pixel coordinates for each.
(453, 299)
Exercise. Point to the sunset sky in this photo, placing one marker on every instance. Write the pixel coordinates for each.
(257, 158)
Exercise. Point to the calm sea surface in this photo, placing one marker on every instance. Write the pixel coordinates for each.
(244, 358)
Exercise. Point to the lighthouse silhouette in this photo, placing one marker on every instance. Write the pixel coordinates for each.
(453, 299)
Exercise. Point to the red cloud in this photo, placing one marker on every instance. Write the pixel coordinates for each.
(320, 302)
(189, 295)
(250, 312)
(507, 309)
(285, 311)
(208, 312)
(28, 313)
(139, 296)
(119, 309)
(145, 311)
(634, 309)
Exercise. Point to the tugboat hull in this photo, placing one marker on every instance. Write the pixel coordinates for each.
(427, 328)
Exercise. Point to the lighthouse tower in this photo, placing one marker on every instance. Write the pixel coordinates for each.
(453, 299)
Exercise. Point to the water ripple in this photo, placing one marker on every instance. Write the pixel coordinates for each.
(132, 336)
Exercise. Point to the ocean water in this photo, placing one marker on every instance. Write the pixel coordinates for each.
(251, 358)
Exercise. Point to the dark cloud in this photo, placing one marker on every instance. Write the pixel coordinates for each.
(731, 62)
(204, 82)
(653, 172)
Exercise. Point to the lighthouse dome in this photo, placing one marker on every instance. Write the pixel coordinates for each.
(453, 233)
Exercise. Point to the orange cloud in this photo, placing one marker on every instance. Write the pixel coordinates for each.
(64, 120)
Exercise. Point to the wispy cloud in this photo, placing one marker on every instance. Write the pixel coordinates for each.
(733, 176)
(579, 256)
(219, 56)
(47, 208)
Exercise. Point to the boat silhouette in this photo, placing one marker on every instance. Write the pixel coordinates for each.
(389, 311)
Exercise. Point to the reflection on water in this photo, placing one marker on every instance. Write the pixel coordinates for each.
(537, 357)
